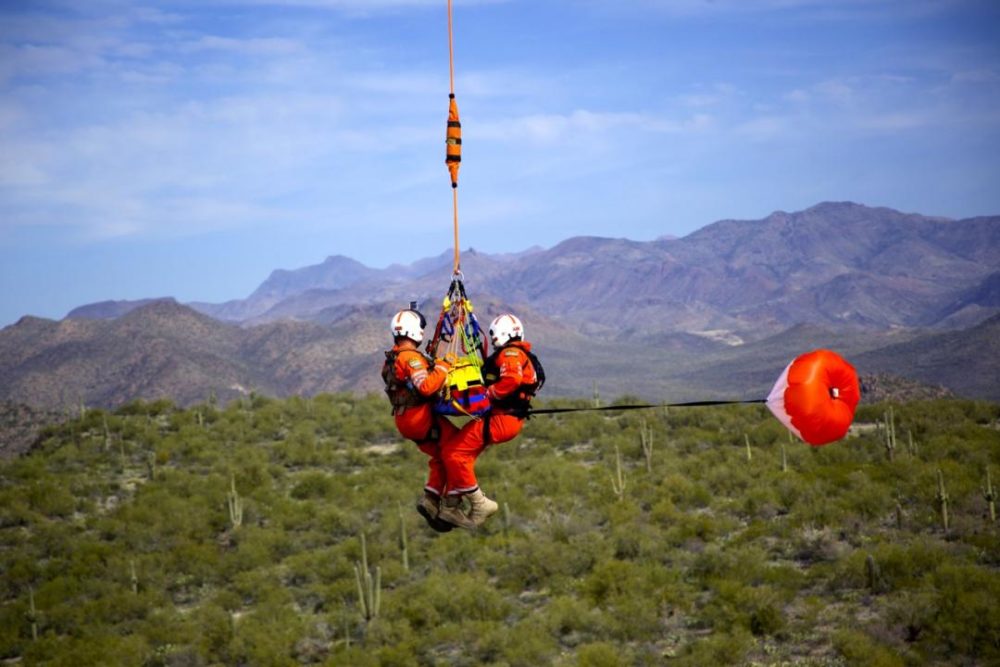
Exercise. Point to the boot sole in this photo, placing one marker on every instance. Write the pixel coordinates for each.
(434, 522)
(480, 520)
(469, 525)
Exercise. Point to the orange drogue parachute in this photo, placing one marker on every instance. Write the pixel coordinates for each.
(815, 397)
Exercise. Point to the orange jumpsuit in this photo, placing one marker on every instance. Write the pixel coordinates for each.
(417, 420)
(502, 423)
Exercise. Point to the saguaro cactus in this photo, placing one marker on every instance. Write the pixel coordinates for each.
(134, 577)
(646, 440)
(151, 465)
(234, 503)
(403, 544)
(942, 498)
(991, 496)
(107, 434)
(872, 574)
(369, 588)
(618, 479)
(32, 614)
(890, 434)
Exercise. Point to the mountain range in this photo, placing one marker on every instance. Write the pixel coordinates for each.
(714, 314)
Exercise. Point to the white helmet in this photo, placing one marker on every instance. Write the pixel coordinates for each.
(409, 324)
(504, 328)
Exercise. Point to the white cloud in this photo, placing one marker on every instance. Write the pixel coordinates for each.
(32, 60)
(765, 128)
(797, 96)
(133, 130)
(19, 168)
(819, 9)
(360, 7)
(709, 96)
(256, 46)
(581, 124)
(509, 83)
(836, 91)
(976, 76)
(397, 83)
(895, 121)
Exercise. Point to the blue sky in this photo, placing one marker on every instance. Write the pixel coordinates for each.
(188, 148)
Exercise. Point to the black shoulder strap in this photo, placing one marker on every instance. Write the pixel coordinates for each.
(390, 361)
(491, 370)
(537, 365)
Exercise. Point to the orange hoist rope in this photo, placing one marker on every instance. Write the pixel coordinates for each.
(454, 206)
(453, 136)
(451, 53)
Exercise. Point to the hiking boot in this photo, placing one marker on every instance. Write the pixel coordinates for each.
(451, 511)
(482, 507)
(428, 506)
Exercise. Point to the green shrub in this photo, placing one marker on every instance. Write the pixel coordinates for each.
(600, 654)
(770, 563)
(528, 644)
(857, 648)
(967, 619)
(49, 498)
(104, 648)
(716, 649)
(313, 485)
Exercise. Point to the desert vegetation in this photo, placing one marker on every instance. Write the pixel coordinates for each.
(282, 532)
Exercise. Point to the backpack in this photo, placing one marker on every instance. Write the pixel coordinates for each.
(520, 400)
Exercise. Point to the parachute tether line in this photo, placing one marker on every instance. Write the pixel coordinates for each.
(645, 406)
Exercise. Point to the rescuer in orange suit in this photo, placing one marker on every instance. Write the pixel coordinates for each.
(412, 380)
(512, 375)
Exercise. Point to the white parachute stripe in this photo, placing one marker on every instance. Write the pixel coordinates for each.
(776, 402)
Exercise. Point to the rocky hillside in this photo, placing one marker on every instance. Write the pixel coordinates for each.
(715, 314)
(839, 265)
(22, 425)
(836, 264)
(968, 359)
(166, 350)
